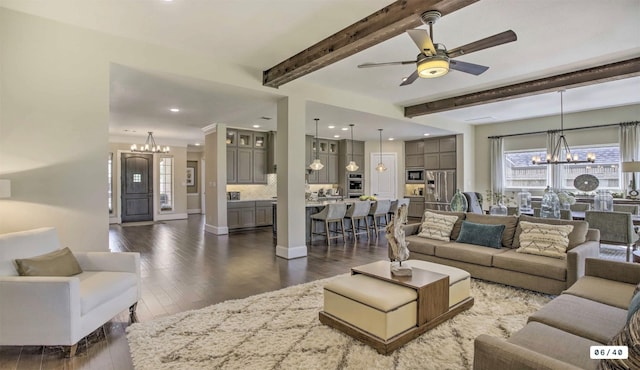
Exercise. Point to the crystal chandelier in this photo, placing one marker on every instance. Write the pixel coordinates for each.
(380, 167)
(352, 166)
(316, 165)
(150, 146)
(561, 145)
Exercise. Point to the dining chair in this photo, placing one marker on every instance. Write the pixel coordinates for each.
(615, 228)
(629, 208)
(565, 214)
(332, 213)
(581, 207)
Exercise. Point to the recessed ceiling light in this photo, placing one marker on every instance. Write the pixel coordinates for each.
(426, 134)
(391, 139)
(336, 136)
(197, 144)
(345, 128)
(174, 110)
(255, 126)
(331, 126)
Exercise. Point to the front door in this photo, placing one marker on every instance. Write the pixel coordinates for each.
(137, 187)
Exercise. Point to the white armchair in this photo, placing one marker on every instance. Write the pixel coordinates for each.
(42, 310)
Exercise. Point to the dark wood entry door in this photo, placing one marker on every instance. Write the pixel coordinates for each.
(137, 187)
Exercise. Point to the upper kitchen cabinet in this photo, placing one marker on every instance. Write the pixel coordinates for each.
(260, 140)
(447, 144)
(245, 139)
(245, 166)
(247, 158)
(414, 156)
(432, 146)
(444, 158)
(328, 153)
(232, 138)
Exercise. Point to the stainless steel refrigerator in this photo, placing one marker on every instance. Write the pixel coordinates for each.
(440, 186)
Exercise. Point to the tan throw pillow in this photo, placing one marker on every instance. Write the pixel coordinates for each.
(437, 226)
(544, 239)
(57, 263)
(576, 237)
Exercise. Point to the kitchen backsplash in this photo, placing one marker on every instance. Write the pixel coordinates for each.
(413, 189)
(253, 192)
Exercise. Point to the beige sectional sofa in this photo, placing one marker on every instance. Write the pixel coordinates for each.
(592, 312)
(505, 265)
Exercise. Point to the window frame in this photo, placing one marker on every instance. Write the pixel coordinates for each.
(162, 184)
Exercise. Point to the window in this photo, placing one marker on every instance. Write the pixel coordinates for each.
(110, 182)
(520, 173)
(166, 184)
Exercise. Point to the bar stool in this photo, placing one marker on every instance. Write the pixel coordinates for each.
(378, 212)
(331, 213)
(358, 212)
(393, 208)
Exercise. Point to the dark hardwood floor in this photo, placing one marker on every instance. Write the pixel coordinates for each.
(184, 268)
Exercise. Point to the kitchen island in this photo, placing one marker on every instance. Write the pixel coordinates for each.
(313, 207)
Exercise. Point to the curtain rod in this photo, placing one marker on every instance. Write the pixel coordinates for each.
(566, 129)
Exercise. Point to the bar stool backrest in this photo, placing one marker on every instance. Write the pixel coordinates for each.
(380, 207)
(336, 211)
(359, 209)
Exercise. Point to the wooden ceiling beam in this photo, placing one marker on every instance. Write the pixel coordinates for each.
(382, 25)
(608, 72)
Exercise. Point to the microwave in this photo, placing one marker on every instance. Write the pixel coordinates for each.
(415, 176)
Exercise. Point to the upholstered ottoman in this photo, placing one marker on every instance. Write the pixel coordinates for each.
(386, 311)
(459, 280)
(375, 306)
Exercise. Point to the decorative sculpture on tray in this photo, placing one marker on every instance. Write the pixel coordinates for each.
(397, 242)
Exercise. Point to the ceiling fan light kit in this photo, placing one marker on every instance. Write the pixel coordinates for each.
(435, 60)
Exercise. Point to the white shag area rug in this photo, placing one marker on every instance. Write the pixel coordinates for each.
(281, 330)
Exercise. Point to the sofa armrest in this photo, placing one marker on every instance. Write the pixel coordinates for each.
(593, 235)
(411, 229)
(576, 260)
(39, 310)
(625, 272)
(108, 261)
(492, 353)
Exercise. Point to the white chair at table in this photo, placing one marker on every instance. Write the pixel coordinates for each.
(615, 228)
(356, 214)
(332, 213)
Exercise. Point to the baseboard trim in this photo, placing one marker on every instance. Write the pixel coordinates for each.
(171, 216)
(114, 220)
(194, 210)
(217, 230)
(291, 252)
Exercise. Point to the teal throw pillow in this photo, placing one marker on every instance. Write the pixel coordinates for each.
(633, 306)
(481, 234)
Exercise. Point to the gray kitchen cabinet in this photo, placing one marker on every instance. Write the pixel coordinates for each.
(414, 147)
(416, 207)
(259, 166)
(447, 144)
(323, 174)
(245, 166)
(414, 161)
(245, 139)
(232, 166)
(260, 140)
(232, 136)
(447, 160)
(432, 145)
(334, 167)
(440, 153)
(432, 161)
(264, 213)
(241, 214)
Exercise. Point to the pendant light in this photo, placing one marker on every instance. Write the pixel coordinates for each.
(352, 166)
(380, 167)
(150, 146)
(316, 165)
(561, 146)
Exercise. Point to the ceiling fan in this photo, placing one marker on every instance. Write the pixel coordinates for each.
(435, 60)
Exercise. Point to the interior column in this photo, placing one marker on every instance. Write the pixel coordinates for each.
(291, 164)
(215, 157)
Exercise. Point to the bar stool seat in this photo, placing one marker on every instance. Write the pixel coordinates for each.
(331, 213)
(378, 213)
(358, 212)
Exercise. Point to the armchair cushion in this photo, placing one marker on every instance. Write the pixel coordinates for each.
(56, 263)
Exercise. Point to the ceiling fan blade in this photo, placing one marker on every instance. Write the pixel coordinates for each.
(409, 80)
(491, 41)
(368, 65)
(423, 41)
(474, 69)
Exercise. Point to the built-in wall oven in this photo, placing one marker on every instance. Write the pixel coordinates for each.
(355, 186)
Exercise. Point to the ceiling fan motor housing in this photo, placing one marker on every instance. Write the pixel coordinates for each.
(430, 17)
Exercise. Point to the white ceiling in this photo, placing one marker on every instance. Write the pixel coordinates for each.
(553, 37)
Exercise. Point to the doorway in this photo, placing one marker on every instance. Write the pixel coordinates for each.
(137, 187)
(384, 184)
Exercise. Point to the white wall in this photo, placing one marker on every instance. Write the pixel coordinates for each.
(582, 137)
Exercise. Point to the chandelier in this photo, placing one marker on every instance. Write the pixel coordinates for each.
(352, 166)
(381, 167)
(562, 146)
(316, 165)
(150, 146)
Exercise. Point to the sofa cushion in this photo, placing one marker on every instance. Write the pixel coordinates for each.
(437, 226)
(98, 287)
(555, 343)
(25, 244)
(544, 239)
(586, 318)
(56, 263)
(629, 336)
(422, 245)
(509, 223)
(576, 237)
(552, 268)
(611, 292)
(456, 227)
(481, 234)
(467, 253)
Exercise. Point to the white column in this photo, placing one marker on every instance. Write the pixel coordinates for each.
(291, 165)
(215, 156)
